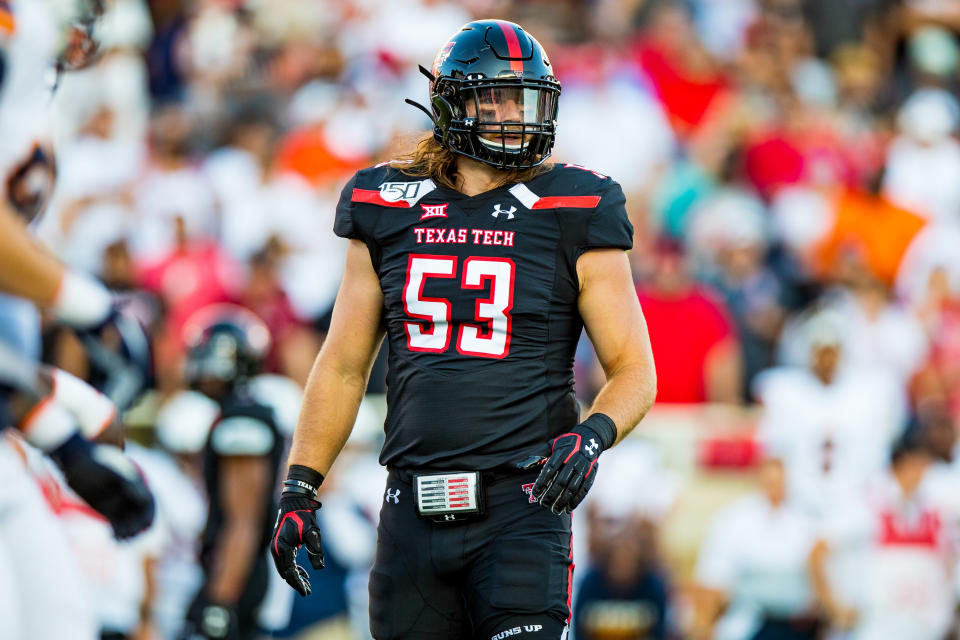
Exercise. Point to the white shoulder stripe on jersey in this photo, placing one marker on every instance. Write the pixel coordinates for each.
(522, 193)
(428, 186)
(383, 164)
(241, 436)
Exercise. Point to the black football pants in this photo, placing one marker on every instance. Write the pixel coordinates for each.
(506, 575)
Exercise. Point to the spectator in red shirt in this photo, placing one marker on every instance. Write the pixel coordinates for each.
(695, 348)
(687, 80)
(197, 272)
(294, 345)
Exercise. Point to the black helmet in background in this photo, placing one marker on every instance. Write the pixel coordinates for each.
(494, 96)
(226, 345)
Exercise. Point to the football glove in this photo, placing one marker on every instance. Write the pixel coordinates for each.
(108, 482)
(297, 525)
(116, 343)
(118, 349)
(571, 469)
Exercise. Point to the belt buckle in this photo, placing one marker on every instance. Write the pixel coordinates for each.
(449, 497)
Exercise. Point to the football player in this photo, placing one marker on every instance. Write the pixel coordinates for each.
(55, 412)
(29, 275)
(226, 346)
(480, 263)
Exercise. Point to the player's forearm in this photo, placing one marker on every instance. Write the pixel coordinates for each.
(627, 396)
(709, 605)
(330, 404)
(26, 270)
(819, 580)
(233, 560)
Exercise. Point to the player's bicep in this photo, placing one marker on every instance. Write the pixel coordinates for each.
(355, 331)
(611, 311)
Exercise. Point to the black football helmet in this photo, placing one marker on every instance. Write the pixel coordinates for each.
(225, 343)
(494, 96)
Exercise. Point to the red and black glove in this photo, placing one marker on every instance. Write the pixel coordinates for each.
(571, 469)
(297, 525)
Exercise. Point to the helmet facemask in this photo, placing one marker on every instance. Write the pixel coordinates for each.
(508, 123)
(226, 346)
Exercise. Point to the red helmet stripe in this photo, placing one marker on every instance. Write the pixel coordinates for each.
(513, 46)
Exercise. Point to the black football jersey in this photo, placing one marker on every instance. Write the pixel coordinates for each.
(480, 307)
(244, 428)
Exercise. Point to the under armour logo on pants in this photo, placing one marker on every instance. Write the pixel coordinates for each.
(392, 495)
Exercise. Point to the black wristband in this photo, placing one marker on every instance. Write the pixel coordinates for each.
(604, 426)
(303, 480)
(297, 502)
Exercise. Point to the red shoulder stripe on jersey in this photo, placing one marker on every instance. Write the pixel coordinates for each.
(571, 202)
(372, 196)
(513, 46)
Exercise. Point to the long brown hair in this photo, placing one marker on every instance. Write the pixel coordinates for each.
(430, 159)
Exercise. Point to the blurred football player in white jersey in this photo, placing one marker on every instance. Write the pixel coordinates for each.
(833, 423)
(54, 412)
(889, 552)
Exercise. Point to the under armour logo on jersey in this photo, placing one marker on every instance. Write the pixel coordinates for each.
(497, 211)
(392, 495)
(434, 210)
(592, 447)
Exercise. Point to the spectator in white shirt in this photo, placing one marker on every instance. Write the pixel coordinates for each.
(888, 554)
(833, 423)
(754, 563)
(922, 158)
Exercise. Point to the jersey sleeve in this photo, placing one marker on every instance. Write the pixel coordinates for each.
(242, 436)
(609, 227)
(345, 224)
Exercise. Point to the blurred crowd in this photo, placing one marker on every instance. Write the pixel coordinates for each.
(791, 169)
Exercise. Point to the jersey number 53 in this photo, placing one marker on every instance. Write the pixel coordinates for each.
(490, 336)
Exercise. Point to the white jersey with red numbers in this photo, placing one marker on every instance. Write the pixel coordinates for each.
(39, 573)
(832, 438)
(114, 570)
(892, 560)
(41, 576)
